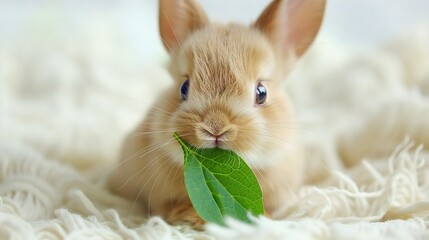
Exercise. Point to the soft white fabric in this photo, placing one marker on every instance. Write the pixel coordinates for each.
(65, 108)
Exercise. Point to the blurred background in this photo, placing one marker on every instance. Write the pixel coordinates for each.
(76, 75)
(357, 23)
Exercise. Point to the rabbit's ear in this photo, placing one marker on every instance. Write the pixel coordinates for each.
(292, 25)
(177, 19)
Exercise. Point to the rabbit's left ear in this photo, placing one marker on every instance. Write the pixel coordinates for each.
(177, 20)
(292, 25)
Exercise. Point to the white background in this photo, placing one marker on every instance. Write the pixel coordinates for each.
(356, 23)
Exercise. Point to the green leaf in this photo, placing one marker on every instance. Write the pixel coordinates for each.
(220, 184)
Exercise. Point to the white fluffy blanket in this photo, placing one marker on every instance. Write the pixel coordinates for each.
(64, 108)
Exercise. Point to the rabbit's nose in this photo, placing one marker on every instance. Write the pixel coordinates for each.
(216, 123)
(215, 127)
(213, 135)
(215, 132)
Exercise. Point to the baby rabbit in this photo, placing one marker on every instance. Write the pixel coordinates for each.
(227, 93)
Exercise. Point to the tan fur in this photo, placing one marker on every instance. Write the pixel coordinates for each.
(224, 64)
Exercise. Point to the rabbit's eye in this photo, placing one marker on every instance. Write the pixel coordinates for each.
(261, 94)
(184, 89)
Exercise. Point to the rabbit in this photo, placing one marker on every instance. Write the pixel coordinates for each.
(227, 93)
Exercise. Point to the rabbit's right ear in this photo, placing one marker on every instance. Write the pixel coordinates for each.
(292, 25)
(178, 19)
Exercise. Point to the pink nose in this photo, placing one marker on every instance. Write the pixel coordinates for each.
(213, 133)
(217, 138)
(217, 135)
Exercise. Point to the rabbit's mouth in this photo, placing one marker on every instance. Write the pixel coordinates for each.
(217, 142)
(212, 137)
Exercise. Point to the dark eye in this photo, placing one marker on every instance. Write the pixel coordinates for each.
(261, 94)
(184, 89)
